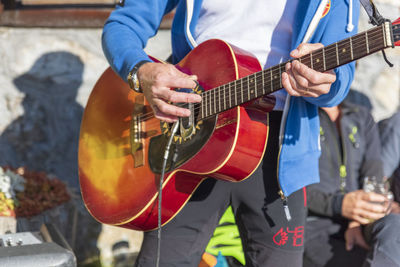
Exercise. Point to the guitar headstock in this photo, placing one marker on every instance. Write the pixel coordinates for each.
(396, 32)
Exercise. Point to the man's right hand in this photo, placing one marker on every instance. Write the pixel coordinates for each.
(156, 81)
(364, 207)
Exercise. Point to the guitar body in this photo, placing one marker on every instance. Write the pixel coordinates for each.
(119, 180)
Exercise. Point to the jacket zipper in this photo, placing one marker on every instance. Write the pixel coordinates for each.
(285, 205)
(311, 28)
(341, 152)
(342, 169)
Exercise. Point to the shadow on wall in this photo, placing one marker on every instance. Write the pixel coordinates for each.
(45, 137)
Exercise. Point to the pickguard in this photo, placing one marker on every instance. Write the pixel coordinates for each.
(179, 152)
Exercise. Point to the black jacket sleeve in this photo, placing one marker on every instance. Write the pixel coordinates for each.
(390, 138)
(322, 203)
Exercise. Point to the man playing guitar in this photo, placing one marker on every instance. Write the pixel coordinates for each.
(269, 206)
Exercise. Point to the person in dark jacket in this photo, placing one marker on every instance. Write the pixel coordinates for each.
(339, 229)
(269, 206)
(389, 132)
(390, 138)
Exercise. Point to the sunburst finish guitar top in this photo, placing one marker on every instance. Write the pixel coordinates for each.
(119, 181)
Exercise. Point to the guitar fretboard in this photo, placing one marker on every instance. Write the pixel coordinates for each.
(264, 82)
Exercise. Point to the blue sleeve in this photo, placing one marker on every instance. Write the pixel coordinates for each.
(128, 29)
(333, 30)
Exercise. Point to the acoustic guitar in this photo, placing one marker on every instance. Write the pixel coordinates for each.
(122, 144)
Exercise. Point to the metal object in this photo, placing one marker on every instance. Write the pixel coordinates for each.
(36, 249)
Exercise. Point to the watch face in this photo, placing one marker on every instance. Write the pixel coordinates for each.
(129, 79)
(133, 79)
(136, 84)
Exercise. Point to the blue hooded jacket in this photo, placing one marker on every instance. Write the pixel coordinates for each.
(129, 27)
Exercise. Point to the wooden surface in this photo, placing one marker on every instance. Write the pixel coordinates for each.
(68, 2)
(61, 13)
(55, 18)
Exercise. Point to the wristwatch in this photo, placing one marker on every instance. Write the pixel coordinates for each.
(132, 78)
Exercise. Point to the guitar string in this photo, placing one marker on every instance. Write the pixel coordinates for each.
(306, 60)
(255, 85)
(372, 39)
(144, 116)
(256, 82)
(218, 103)
(306, 57)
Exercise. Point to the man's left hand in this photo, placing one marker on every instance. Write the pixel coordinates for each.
(353, 236)
(300, 80)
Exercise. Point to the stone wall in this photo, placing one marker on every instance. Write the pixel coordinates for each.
(46, 76)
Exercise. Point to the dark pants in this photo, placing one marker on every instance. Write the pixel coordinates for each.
(325, 245)
(384, 238)
(268, 238)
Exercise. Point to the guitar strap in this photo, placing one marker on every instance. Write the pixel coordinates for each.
(373, 13)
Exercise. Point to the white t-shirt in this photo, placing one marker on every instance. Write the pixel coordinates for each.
(262, 27)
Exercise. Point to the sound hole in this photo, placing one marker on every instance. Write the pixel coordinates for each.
(188, 126)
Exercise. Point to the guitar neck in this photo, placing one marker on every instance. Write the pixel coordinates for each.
(267, 81)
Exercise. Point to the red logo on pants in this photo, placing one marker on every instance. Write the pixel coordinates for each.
(281, 237)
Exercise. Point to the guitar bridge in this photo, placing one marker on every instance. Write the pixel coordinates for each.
(136, 132)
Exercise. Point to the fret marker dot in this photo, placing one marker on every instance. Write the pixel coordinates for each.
(275, 77)
(317, 60)
(252, 91)
(344, 50)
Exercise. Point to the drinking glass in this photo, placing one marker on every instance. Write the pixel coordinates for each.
(371, 184)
